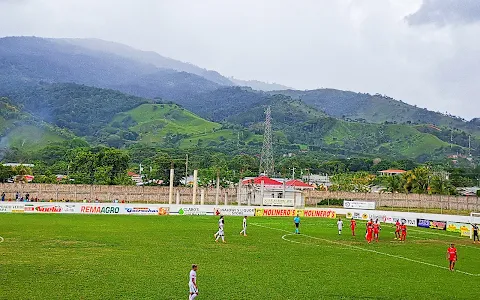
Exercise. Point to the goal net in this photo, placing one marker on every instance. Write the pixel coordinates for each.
(474, 219)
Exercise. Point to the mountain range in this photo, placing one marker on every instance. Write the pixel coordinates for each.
(109, 93)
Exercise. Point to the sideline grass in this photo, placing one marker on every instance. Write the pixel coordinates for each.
(139, 257)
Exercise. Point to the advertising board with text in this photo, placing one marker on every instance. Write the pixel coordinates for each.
(12, 207)
(382, 217)
(463, 228)
(358, 204)
(278, 202)
(234, 211)
(191, 210)
(146, 210)
(290, 212)
(440, 225)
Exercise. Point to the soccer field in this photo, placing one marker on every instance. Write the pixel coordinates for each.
(143, 257)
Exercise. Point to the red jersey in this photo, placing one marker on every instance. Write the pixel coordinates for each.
(353, 224)
(376, 227)
(404, 228)
(452, 253)
(369, 228)
(398, 226)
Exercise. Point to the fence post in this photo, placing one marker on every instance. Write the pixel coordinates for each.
(195, 183)
(202, 197)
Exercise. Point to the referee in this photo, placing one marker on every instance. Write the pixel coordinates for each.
(475, 233)
(296, 220)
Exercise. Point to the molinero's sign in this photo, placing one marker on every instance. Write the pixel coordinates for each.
(88, 209)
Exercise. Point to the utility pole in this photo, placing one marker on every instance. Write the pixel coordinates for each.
(186, 170)
(293, 173)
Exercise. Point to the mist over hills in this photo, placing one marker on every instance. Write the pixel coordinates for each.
(95, 88)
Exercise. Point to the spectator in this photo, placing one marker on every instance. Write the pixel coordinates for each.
(3, 196)
(85, 200)
(27, 197)
(21, 199)
(17, 196)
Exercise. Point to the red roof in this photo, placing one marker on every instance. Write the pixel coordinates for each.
(132, 174)
(266, 181)
(298, 183)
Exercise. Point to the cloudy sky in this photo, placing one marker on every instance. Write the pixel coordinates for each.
(425, 52)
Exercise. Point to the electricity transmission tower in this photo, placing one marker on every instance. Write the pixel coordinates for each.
(266, 160)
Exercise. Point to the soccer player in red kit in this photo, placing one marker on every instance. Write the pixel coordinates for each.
(376, 230)
(397, 230)
(369, 232)
(353, 225)
(403, 228)
(452, 256)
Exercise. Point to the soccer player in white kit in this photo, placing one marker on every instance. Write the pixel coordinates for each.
(340, 226)
(193, 283)
(244, 224)
(220, 232)
(220, 225)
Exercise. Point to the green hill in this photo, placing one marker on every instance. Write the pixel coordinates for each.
(170, 124)
(23, 131)
(303, 125)
(375, 108)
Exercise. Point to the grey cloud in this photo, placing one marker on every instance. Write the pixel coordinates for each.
(444, 12)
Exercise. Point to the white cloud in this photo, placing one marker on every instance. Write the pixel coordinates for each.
(360, 45)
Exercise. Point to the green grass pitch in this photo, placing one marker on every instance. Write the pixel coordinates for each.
(140, 257)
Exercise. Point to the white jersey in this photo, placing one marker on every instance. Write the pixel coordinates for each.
(220, 224)
(244, 222)
(193, 276)
(340, 224)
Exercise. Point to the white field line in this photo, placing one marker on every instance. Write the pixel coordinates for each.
(1, 239)
(368, 250)
(446, 235)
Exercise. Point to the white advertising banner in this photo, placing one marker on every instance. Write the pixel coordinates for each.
(382, 216)
(146, 209)
(278, 202)
(234, 211)
(12, 207)
(359, 204)
(186, 210)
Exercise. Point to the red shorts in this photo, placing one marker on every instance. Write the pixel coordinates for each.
(376, 232)
(404, 233)
(452, 258)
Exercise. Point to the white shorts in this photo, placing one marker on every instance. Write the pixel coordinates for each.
(220, 232)
(192, 287)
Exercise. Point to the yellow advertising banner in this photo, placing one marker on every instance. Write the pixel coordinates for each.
(290, 212)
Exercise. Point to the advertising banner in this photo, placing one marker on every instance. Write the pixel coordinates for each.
(101, 209)
(191, 210)
(278, 212)
(146, 210)
(234, 211)
(406, 221)
(278, 202)
(44, 208)
(440, 225)
(12, 207)
(290, 212)
(381, 216)
(459, 227)
(319, 213)
(358, 204)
